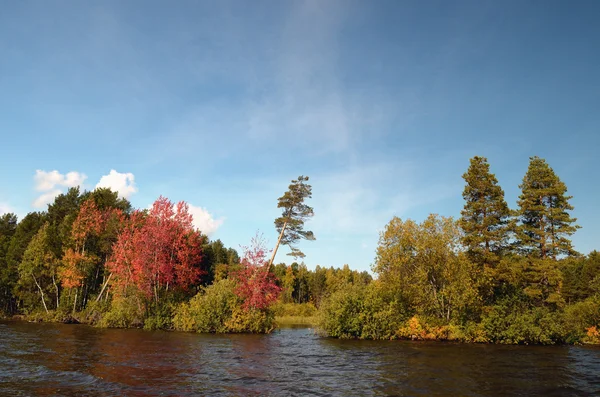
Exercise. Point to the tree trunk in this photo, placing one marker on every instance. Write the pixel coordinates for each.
(56, 287)
(103, 287)
(75, 301)
(277, 245)
(41, 292)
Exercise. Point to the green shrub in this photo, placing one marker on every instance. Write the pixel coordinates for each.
(580, 316)
(362, 312)
(94, 311)
(124, 312)
(160, 316)
(251, 321)
(340, 313)
(217, 309)
(513, 322)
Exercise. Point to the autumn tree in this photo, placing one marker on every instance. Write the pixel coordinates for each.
(256, 284)
(485, 217)
(158, 250)
(78, 262)
(545, 223)
(295, 212)
(422, 265)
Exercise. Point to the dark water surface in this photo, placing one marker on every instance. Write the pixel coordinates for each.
(77, 360)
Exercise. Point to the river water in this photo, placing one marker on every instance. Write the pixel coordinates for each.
(77, 360)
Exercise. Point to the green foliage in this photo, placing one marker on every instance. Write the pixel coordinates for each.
(124, 312)
(580, 316)
(362, 312)
(8, 228)
(290, 224)
(485, 219)
(423, 263)
(38, 272)
(581, 277)
(251, 321)
(545, 223)
(340, 313)
(217, 309)
(160, 316)
(209, 310)
(512, 321)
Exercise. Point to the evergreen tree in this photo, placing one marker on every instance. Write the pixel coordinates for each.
(545, 223)
(486, 216)
(290, 224)
(8, 226)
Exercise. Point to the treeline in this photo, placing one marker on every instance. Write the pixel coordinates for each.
(494, 275)
(92, 258)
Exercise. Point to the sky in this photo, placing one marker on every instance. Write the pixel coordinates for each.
(222, 104)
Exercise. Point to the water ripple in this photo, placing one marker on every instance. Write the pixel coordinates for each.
(72, 360)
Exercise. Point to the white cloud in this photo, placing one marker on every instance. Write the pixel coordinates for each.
(51, 182)
(122, 183)
(46, 198)
(203, 220)
(45, 181)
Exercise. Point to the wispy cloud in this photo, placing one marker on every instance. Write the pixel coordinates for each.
(293, 94)
(361, 200)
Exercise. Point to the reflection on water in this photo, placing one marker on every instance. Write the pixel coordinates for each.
(73, 360)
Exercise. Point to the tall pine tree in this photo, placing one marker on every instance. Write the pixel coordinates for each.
(486, 217)
(290, 224)
(544, 221)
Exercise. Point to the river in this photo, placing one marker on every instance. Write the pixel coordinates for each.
(78, 360)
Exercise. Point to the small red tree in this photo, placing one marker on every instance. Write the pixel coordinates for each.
(157, 250)
(256, 283)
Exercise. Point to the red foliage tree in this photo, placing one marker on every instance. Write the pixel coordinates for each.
(157, 250)
(256, 283)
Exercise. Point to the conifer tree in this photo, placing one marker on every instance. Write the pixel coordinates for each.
(290, 224)
(486, 216)
(544, 221)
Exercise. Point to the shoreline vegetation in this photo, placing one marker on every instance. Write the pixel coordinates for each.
(493, 275)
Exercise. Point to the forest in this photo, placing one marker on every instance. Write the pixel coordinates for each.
(493, 275)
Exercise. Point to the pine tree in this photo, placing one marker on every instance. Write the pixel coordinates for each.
(545, 223)
(290, 224)
(485, 218)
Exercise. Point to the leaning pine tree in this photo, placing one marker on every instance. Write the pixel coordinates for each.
(545, 223)
(485, 219)
(290, 224)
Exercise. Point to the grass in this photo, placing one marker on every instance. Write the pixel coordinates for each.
(296, 320)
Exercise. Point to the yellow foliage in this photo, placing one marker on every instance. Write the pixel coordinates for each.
(593, 336)
(415, 329)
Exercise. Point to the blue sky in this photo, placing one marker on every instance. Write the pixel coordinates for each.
(222, 104)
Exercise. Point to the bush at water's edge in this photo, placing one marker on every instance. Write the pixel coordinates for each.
(364, 312)
(217, 309)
